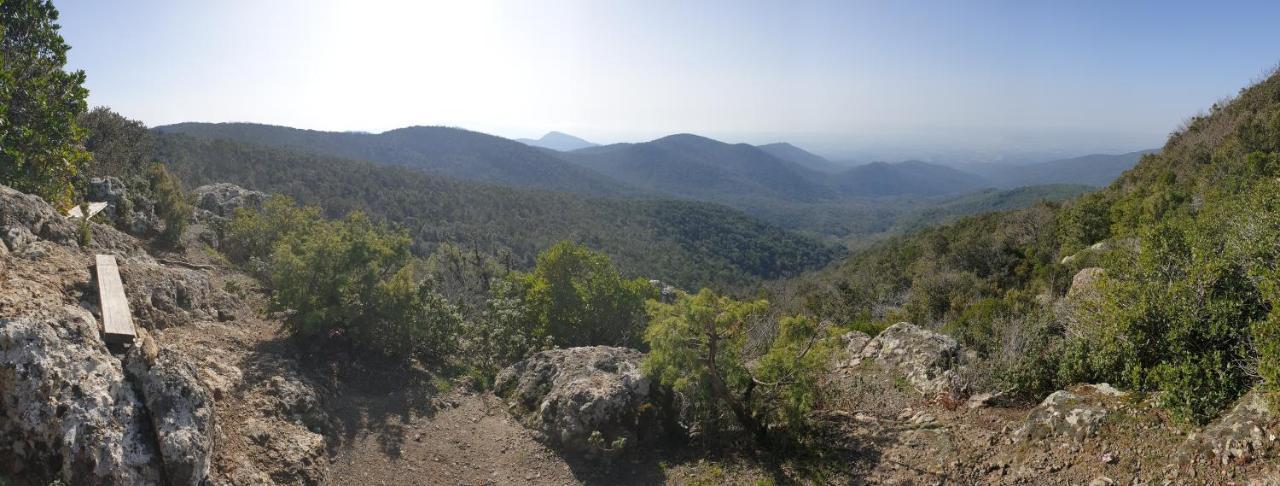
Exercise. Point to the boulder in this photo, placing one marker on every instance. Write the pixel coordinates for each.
(68, 411)
(1085, 285)
(854, 342)
(162, 296)
(223, 199)
(294, 455)
(930, 361)
(1248, 432)
(1074, 414)
(181, 409)
(133, 213)
(25, 217)
(592, 400)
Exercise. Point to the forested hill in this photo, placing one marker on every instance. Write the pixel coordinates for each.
(685, 243)
(1096, 170)
(447, 151)
(910, 178)
(1181, 296)
(692, 166)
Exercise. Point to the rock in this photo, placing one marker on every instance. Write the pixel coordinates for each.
(1064, 413)
(68, 410)
(666, 293)
(853, 341)
(567, 396)
(1102, 481)
(930, 361)
(182, 413)
(298, 401)
(1248, 432)
(295, 454)
(1085, 285)
(25, 217)
(222, 199)
(133, 213)
(163, 297)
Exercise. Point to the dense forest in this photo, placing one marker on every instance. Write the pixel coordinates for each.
(684, 243)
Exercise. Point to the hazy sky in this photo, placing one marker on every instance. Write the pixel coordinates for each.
(872, 79)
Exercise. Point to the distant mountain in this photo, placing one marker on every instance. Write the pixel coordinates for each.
(441, 150)
(696, 167)
(797, 155)
(560, 141)
(1095, 170)
(911, 178)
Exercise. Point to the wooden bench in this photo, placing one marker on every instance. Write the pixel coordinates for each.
(117, 322)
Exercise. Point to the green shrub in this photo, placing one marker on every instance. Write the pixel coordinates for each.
(171, 204)
(576, 297)
(700, 346)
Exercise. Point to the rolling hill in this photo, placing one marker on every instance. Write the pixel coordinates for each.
(685, 243)
(446, 151)
(558, 141)
(911, 178)
(802, 157)
(1095, 170)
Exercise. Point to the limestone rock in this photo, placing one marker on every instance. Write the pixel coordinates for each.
(131, 212)
(930, 361)
(182, 414)
(569, 395)
(223, 199)
(1248, 432)
(24, 218)
(1074, 414)
(163, 297)
(68, 411)
(1085, 283)
(854, 342)
(295, 454)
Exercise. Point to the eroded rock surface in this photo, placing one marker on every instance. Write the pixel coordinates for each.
(181, 410)
(223, 199)
(1074, 414)
(68, 411)
(569, 395)
(1246, 433)
(930, 361)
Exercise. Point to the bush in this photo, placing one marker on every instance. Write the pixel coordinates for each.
(576, 297)
(350, 278)
(171, 204)
(700, 346)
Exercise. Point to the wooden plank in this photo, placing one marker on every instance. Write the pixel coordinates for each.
(117, 322)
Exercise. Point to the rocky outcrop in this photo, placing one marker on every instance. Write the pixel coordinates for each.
(930, 361)
(1074, 414)
(68, 411)
(1248, 432)
(181, 410)
(854, 342)
(24, 218)
(162, 296)
(222, 199)
(1085, 284)
(592, 400)
(131, 212)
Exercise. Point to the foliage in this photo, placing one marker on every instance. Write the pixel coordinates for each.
(171, 203)
(1188, 246)
(348, 278)
(39, 141)
(701, 346)
(575, 297)
(650, 238)
(121, 147)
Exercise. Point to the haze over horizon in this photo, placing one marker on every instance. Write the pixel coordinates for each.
(933, 81)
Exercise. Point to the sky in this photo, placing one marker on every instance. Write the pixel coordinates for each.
(941, 81)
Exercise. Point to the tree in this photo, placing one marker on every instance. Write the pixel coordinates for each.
(700, 346)
(121, 147)
(577, 298)
(171, 203)
(40, 148)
